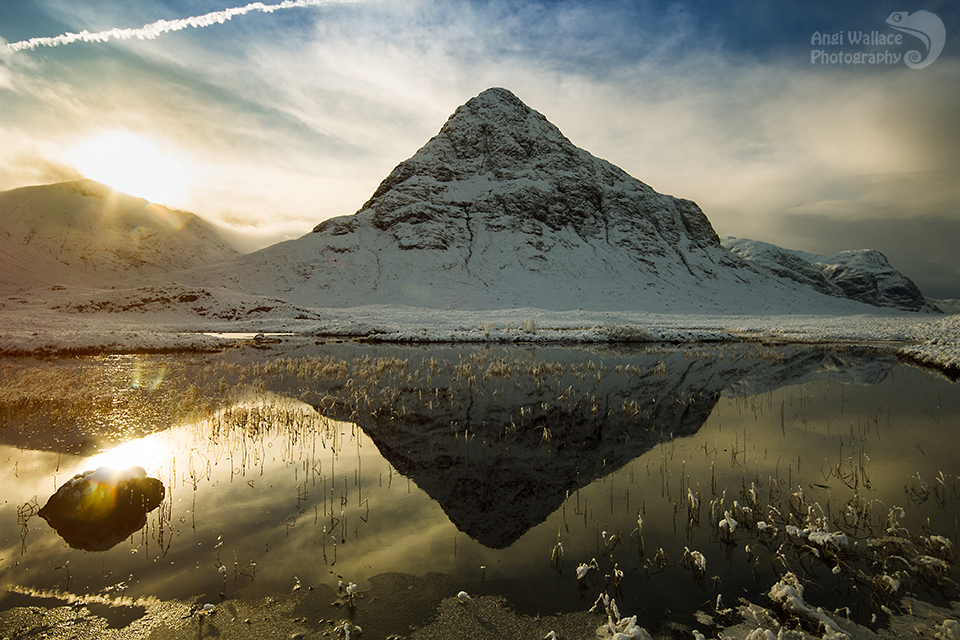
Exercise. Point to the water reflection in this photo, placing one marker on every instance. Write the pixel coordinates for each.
(96, 510)
(500, 442)
(294, 468)
(82, 406)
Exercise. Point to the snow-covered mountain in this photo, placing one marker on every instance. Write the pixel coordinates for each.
(863, 275)
(502, 202)
(86, 234)
(500, 210)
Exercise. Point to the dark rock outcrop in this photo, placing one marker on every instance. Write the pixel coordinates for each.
(96, 510)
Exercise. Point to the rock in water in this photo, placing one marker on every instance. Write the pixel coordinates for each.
(95, 510)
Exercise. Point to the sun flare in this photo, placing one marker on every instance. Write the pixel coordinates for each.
(148, 452)
(130, 164)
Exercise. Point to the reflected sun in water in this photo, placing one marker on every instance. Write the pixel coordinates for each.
(96, 510)
(150, 452)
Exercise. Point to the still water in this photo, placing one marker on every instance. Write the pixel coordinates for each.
(503, 467)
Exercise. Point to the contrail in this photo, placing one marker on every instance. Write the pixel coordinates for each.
(155, 29)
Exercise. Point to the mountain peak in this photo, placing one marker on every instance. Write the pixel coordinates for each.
(498, 97)
(496, 106)
(499, 129)
(496, 143)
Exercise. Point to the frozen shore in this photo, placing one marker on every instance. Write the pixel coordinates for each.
(43, 326)
(440, 614)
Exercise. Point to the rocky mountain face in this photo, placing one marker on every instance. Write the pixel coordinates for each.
(499, 199)
(87, 234)
(498, 166)
(863, 275)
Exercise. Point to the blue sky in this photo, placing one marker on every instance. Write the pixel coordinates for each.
(279, 120)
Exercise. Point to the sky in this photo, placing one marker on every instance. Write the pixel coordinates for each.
(272, 117)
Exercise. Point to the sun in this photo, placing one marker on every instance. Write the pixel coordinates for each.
(128, 163)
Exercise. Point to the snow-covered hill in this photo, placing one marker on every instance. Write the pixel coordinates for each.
(500, 210)
(863, 275)
(86, 234)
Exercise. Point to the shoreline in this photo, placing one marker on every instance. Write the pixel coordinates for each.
(935, 354)
(427, 607)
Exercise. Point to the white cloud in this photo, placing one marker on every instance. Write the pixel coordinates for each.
(155, 29)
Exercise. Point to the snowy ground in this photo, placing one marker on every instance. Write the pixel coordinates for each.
(180, 318)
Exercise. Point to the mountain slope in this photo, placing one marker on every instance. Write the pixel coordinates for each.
(86, 234)
(863, 275)
(500, 210)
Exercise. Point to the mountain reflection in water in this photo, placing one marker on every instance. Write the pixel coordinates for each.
(499, 442)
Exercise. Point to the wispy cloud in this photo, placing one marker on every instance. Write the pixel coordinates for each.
(27, 161)
(160, 27)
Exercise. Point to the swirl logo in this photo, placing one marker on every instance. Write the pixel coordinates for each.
(923, 25)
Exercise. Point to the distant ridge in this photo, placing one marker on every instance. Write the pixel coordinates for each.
(864, 275)
(84, 233)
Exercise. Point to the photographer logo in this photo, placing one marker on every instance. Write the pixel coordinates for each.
(863, 47)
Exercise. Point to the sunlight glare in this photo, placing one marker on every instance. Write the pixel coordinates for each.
(127, 163)
(147, 452)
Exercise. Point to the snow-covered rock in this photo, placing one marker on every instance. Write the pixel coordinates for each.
(947, 305)
(863, 275)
